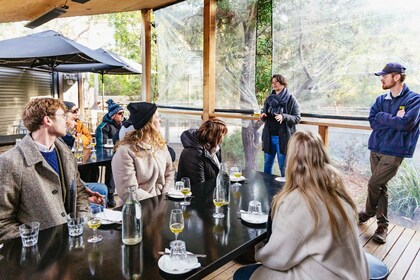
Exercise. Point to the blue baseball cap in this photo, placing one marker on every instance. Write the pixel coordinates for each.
(391, 68)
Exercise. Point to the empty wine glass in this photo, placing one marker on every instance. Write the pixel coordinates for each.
(185, 190)
(93, 144)
(219, 201)
(176, 222)
(94, 222)
(236, 173)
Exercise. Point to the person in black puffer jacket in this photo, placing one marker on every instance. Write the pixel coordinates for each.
(200, 160)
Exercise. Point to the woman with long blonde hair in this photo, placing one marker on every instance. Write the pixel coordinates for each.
(141, 157)
(314, 222)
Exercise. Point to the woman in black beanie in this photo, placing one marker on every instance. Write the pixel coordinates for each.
(141, 157)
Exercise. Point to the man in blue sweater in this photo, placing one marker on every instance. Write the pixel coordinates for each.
(395, 120)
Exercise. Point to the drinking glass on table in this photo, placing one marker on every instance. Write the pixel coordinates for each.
(236, 172)
(93, 144)
(185, 190)
(219, 201)
(176, 222)
(94, 222)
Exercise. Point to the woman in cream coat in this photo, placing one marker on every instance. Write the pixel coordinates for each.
(141, 157)
(314, 228)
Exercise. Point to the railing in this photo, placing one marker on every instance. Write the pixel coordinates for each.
(308, 119)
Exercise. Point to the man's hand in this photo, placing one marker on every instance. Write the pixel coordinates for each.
(279, 118)
(95, 197)
(401, 113)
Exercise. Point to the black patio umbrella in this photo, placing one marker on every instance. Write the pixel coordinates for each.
(130, 67)
(49, 49)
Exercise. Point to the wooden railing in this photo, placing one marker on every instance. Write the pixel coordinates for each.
(322, 124)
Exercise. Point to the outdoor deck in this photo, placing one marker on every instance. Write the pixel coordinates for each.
(400, 253)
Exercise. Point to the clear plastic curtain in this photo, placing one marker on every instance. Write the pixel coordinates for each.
(328, 50)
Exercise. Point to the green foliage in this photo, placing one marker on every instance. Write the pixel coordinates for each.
(232, 148)
(404, 191)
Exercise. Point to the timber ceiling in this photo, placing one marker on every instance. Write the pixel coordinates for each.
(26, 10)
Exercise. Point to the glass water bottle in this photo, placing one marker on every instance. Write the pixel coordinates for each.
(132, 227)
(223, 181)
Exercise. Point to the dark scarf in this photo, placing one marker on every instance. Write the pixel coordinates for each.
(277, 103)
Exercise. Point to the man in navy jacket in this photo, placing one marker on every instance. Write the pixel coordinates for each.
(395, 120)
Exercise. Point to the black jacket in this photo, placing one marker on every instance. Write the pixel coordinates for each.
(289, 108)
(196, 162)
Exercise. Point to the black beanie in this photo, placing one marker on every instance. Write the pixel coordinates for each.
(69, 105)
(141, 113)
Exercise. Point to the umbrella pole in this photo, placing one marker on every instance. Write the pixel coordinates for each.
(103, 92)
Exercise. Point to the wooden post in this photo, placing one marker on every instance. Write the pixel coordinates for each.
(147, 94)
(323, 132)
(209, 63)
(80, 94)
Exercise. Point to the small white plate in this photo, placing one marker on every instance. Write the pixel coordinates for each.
(254, 219)
(177, 195)
(109, 217)
(165, 259)
(280, 179)
(106, 146)
(234, 179)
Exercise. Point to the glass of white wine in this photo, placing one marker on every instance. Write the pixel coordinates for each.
(236, 172)
(219, 201)
(176, 222)
(185, 190)
(93, 144)
(94, 222)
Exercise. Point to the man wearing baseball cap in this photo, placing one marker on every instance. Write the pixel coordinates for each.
(395, 120)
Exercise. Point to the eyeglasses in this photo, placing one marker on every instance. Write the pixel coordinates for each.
(120, 113)
(75, 111)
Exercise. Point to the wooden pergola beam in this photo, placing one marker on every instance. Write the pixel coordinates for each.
(147, 94)
(209, 59)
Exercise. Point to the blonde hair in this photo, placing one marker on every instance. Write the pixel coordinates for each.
(147, 134)
(310, 172)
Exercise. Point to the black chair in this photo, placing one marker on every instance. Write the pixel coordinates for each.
(377, 269)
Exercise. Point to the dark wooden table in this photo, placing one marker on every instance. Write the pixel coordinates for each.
(99, 157)
(59, 256)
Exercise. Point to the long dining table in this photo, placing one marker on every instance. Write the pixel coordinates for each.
(59, 256)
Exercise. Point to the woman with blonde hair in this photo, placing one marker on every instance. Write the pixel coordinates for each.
(314, 222)
(200, 160)
(141, 157)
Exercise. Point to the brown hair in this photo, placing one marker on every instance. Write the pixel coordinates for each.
(147, 133)
(402, 76)
(279, 78)
(310, 172)
(211, 132)
(36, 109)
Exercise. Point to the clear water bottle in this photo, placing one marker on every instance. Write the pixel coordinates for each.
(78, 149)
(132, 227)
(223, 181)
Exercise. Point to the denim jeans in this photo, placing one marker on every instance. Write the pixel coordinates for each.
(245, 272)
(269, 158)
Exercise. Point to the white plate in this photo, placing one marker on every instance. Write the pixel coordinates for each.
(280, 179)
(234, 179)
(174, 194)
(106, 146)
(254, 219)
(165, 259)
(109, 217)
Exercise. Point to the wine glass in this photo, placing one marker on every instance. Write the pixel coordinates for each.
(219, 201)
(185, 190)
(93, 144)
(176, 222)
(94, 222)
(236, 172)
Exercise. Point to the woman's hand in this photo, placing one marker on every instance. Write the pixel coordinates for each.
(263, 115)
(279, 118)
